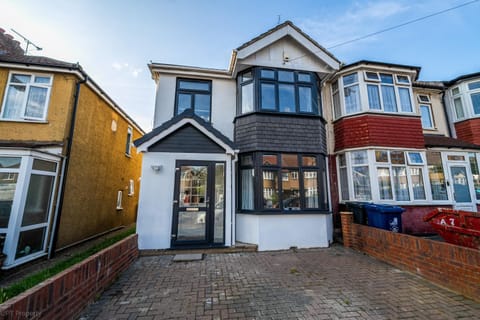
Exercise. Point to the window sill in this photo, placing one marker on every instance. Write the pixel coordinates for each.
(24, 121)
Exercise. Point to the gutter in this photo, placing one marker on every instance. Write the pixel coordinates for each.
(61, 191)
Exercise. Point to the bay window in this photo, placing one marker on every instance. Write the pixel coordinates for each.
(278, 90)
(383, 92)
(396, 175)
(26, 97)
(288, 182)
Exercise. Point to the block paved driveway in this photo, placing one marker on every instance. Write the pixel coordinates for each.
(333, 283)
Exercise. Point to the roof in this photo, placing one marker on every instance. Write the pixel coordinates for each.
(280, 26)
(463, 77)
(383, 64)
(188, 116)
(447, 142)
(12, 53)
(439, 85)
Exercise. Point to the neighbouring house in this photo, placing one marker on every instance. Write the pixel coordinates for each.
(68, 171)
(269, 150)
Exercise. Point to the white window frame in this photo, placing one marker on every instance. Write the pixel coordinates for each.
(131, 187)
(119, 199)
(421, 100)
(429, 108)
(128, 144)
(21, 192)
(47, 86)
(363, 81)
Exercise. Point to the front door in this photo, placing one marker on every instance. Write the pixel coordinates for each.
(199, 210)
(460, 183)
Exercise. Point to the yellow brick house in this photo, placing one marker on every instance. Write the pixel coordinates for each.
(68, 171)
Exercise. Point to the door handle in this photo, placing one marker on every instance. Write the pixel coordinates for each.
(175, 201)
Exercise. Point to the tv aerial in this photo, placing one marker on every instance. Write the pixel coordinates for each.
(28, 42)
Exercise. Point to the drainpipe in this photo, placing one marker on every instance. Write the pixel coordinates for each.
(63, 180)
(446, 115)
(233, 198)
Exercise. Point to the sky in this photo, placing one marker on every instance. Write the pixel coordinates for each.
(114, 40)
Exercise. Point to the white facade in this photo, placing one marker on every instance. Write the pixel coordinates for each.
(280, 232)
(154, 224)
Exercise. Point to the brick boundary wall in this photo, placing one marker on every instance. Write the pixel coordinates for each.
(450, 266)
(66, 294)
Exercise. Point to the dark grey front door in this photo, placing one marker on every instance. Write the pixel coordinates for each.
(198, 214)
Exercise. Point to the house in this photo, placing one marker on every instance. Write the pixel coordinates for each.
(239, 154)
(270, 150)
(68, 171)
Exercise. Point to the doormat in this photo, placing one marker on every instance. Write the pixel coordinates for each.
(188, 257)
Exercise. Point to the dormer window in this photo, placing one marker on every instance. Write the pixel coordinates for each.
(276, 90)
(385, 92)
(196, 95)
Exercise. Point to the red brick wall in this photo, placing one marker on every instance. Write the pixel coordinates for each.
(468, 130)
(448, 265)
(378, 130)
(65, 295)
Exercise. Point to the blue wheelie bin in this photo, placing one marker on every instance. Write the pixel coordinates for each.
(385, 216)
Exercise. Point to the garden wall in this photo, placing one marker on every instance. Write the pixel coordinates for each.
(450, 266)
(66, 294)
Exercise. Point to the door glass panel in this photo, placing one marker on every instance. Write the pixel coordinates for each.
(30, 241)
(219, 202)
(193, 186)
(191, 225)
(460, 184)
(38, 200)
(8, 182)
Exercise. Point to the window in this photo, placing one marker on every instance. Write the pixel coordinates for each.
(131, 188)
(423, 98)
(436, 176)
(289, 182)
(384, 92)
(119, 200)
(360, 175)
(426, 116)
(278, 90)
(396, 175)
(475, 173)
(351, 92)
(194, 95)
(26, 97)
(128, 144)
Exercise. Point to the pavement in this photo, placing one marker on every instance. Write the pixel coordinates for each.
(331, 283)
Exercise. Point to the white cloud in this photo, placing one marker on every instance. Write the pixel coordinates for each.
(358, 20)
(126, 68)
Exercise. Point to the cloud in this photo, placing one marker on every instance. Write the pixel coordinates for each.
(125, 67)
(359, 19)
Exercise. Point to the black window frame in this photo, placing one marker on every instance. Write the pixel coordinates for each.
(258, 80)
(192, 92)
(259, 168)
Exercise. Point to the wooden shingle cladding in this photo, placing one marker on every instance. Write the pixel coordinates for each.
(378, 130)
(187, 139)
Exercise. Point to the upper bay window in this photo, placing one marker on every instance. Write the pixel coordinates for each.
(196, 95)
(26, 97)
(465, 100)
(276, 90)
(288, 182)
(375, 91)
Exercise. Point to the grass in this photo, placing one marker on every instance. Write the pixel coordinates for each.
(34, 279)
